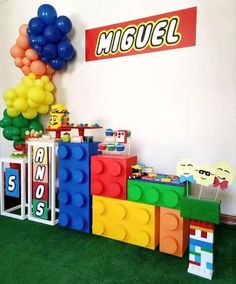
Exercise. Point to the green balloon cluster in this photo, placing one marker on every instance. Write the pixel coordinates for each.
(14, 128)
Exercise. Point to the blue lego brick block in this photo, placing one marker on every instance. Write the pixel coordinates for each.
(201, 244)
(74, 185)
(209, 265)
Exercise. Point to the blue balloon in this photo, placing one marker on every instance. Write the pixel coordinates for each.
(32, 40)
(50, 51)
(63, 38)
(52, 34)
(36, 26)
(45, 60)
(40, 40)
(65, 50)
(47, 13)
(57, 63)
(64, 24)
(29, 32)
(38, 48)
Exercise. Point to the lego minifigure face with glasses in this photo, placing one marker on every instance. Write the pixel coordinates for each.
(204, 174)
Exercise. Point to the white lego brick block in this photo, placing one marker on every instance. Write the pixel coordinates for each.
(199, 271)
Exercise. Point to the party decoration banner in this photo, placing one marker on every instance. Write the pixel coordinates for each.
(162, 32)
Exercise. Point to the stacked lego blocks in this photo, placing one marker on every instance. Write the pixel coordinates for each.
(96, 195)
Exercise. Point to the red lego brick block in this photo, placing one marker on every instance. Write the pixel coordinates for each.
(206, 225)
(192, 232)
(203, 234)
(109, 175)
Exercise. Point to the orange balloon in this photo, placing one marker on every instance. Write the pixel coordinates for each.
(23, 29)
(25, 70)
(50, 70)
(18, 62)
(31, 54)
(26, 61)
(23, 42)
(17, 51)
(38, 67)
(49, 76)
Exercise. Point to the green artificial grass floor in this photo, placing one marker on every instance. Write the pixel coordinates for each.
(36, 253)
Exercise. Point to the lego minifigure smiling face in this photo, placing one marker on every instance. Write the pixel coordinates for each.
(186, 170)
(224, 175)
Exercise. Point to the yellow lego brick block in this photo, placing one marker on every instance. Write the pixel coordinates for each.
(126, 221)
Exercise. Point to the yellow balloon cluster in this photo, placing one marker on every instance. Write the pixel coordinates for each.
(30, 97)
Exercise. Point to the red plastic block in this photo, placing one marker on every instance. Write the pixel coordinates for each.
(192, 232)
(203, 234)
(109, 175)
(202, 224)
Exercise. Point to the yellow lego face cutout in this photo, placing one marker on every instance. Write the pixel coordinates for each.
(204, 174)
(186, 170)
(55, 120)
(224, 172)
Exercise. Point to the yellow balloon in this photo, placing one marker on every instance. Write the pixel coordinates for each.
(30, 113)
(49, 98)
(21, 90)
(39, 83)
(49, 86)
(36, 94)
(28, 82)
(32, 76)
(9, 103)
(9, 94)
(45, 78)
(20, 104)
(43, 109)
(32, 104)
(12, 112)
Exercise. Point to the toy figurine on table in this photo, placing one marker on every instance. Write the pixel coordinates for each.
(59, 120)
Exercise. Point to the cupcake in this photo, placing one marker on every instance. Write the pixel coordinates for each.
(111, 147)
(120, 147)
(102, 147)
(109, 132)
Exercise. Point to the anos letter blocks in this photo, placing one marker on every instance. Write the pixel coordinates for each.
(126, 221)
(174, 232)
(156, 193)
(74, 185)
(200, 209)
(109, 175)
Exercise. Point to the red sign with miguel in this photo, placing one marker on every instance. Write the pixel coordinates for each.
(156, 33)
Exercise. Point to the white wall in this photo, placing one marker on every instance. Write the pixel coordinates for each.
(178, 103)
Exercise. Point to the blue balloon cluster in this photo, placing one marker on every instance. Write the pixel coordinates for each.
(47, 35)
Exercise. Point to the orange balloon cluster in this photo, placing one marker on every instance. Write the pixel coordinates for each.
(27, 58)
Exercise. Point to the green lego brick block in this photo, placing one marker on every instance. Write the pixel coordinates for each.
(200, 209)
(159, 194)
(40, 209)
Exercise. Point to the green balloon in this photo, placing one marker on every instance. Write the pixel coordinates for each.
(36, 126)
(20, 121)
(6, 121)
(36, 118)
(10, 131)
(22, 132)
(5, 114)
(16, 138)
